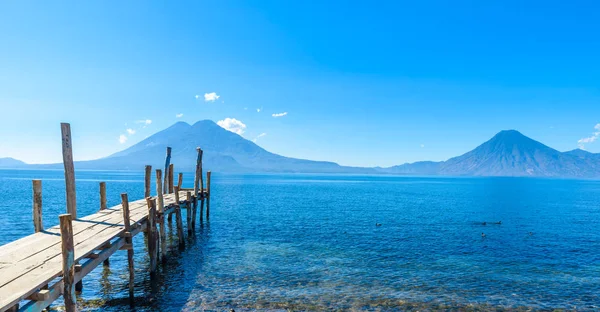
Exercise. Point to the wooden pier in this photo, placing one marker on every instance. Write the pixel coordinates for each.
(37, 269)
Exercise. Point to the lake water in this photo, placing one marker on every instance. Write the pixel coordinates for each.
(310, 242)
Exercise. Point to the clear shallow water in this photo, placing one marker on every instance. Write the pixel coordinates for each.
(309, 242)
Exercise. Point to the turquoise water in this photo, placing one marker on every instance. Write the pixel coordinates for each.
(310, 242)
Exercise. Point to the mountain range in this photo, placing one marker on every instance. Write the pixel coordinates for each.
(508, 153)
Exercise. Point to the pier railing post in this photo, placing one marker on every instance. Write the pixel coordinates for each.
(207, 194)
(37, 206)
(178, 219)
(152, 254)
(167, 164)
(67, 151)
(102, 195)
(160, 216)
(128, 240)
(147, 180)
(180, 180)
(68, 257)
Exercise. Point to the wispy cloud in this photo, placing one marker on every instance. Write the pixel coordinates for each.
(591, 139)
(279, 114)
(211, 97)
(258, 110)
(179, 115)
(130, 131)
(422, 145)
(122, 139)
(144, 121)
(233, 125)
(258, 137)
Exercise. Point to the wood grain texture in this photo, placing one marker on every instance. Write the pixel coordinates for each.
(37, 206)
(147, 180)
(68, 260)
(102, 195)
(167, 164)
(67, 151)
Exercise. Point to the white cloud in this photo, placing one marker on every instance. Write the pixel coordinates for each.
(122, 139)
(258, 110)
(179, 115)
(259, 136)
(582, 142)
(211, 97)
(197, 96)
(422, 145)
(130, 131)
(233, 125)
(279, 114)
(144, 121)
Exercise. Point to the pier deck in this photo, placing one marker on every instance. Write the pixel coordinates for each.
(30, 263)
(37, 269)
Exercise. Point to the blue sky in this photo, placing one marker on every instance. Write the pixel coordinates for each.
(363, 83)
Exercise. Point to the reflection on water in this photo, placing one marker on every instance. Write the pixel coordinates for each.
(302, 242)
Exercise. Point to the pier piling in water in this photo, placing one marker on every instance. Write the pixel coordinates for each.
(68, 260)
(128, 241)
(207, 194)
(43, 266)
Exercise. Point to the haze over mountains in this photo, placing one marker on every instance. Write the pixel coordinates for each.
(508, 153)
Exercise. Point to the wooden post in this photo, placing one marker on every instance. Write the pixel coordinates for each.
(68, 257)
(167, 163)
(102, 195)
(207, 195)
(160, 216)
(37, 206)
(178, 218)
(188, 215)
(67, 151)
(197, 182)
(171, 179)
(152, 234)
(128, 240)
(147, 181)
(102, 207)
(201, 187)
(180, 180)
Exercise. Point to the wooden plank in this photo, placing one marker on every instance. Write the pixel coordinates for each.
(68, 260)
(41, 295)
(147, 177)
(37, 206)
